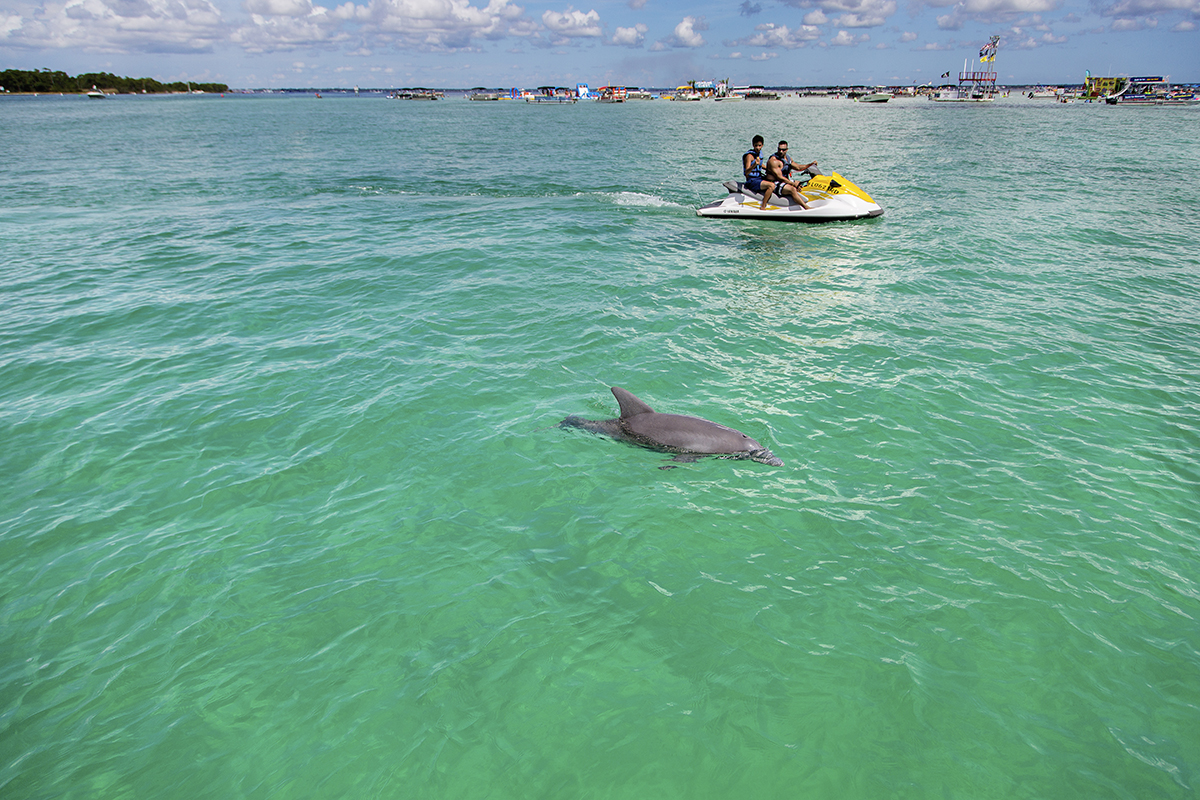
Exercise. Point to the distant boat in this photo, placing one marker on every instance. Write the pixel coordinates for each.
(973, 86)
(480, 93)
(612, 94)
(419, 93)
(874, 97)
(760, 93)
(96, 94)
(551, 95)
(1151, 91)
(1096, 87)
(1045, 93)
(724, 92)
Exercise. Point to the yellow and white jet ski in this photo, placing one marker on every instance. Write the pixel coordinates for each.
(830, 198)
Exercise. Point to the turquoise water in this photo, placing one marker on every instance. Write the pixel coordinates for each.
(285, 513)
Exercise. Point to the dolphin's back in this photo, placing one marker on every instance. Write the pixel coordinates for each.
(643, 425)
(677, 431)
(680, 432)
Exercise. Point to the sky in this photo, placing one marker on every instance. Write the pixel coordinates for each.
(652, 43)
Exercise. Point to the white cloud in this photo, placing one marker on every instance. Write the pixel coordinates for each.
(771, 35)
(861, 20)
(630, 37)
(1181, 27)
(908, 36)
(573, 24)
(281, 25)
(279, 8)
(424, 25)
(764, 56)
(687, 34)
(439, 24)
(114, 26)
(1122, 24)
(852, 13)
(988, 10)
(846, 39)
(1031, 42)
(1144, 8)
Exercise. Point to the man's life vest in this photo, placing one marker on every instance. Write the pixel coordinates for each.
(756, 170)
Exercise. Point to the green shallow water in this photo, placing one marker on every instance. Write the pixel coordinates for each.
(285, 513)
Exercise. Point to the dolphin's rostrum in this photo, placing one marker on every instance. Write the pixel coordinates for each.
(674, 433)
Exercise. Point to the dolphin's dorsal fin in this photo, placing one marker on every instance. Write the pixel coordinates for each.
(630, 405)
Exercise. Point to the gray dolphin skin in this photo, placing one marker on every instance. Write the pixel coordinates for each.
(674, 433)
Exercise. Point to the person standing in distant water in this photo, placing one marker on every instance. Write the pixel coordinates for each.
(779, 170)
(753, 169)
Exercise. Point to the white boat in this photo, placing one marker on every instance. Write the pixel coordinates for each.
(96, 94)
(686, 94)
(1045, 93)
(612, 94)
(725, 93)
(830, 198)
(1151, 91)
(973, 86)
(760, 93)
(874, 97)
(551, 95)
(417, 93)
(951, 95)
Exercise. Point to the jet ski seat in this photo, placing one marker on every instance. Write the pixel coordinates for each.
(738, 187)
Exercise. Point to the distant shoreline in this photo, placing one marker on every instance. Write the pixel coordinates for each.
(46, 81)
(798, 90)
(106, 94)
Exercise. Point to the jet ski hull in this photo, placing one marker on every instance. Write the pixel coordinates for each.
(830, 198)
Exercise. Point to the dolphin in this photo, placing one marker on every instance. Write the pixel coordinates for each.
(689, 436)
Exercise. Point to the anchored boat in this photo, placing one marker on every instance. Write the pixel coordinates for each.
(973, 86)
(1151, 91)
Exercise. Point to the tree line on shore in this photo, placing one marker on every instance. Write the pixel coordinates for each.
(19, 80)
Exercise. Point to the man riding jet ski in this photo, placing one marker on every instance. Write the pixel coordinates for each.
(830, 198)
(813, 197)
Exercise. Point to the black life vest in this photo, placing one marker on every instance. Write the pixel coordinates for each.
(787, 164)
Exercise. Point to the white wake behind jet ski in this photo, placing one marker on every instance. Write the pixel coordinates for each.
(830, 198)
